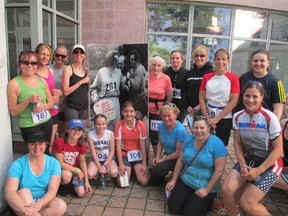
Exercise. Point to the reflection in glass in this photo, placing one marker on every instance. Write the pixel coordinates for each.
(168, 18)
(163, 45)
(18, 18)
(241, 55)
(251, 24)
(212, 20)
(67, 7)
(46, 3)
(278, 62)
(47, 28)
(212, 44)
(280, 28)
(65, 33)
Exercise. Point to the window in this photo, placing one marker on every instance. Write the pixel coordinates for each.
(280, 28)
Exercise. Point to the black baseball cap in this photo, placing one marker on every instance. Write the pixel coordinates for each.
(38, 136)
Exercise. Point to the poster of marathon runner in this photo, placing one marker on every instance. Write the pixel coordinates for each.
(117, 73)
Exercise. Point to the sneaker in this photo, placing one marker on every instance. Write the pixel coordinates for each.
(218, 207)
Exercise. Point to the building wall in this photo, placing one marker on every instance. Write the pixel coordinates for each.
(113, 21)
(6, 155)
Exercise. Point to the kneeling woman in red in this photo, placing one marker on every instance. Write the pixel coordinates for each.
(258, 147)
(70, 151)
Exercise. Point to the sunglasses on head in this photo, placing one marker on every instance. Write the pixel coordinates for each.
(59, 55)
(169, 104)
(200, 117)
(201, 56)
(78, 51)
(27, 63)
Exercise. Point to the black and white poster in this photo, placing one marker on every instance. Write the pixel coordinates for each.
(117, 73)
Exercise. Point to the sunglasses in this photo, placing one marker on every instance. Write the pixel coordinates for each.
(201, 56)
(200, 117)
(169, 104)
(58, 56)
(27, 63)
(78, 51)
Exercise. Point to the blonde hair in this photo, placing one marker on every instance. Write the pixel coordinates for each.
(200, 48)
(169, 106)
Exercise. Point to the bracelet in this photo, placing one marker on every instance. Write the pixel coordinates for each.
(76, 171)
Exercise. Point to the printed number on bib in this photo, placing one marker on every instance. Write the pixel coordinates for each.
(134, 155)
(154, 125)
(176, 93)
(102, 155)
(39, 117)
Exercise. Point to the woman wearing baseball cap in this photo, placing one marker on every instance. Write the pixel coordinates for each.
(33, 181)
(75, 85)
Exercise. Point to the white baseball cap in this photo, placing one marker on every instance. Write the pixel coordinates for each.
(78, 46)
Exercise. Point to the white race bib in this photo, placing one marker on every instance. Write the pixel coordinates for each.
(134, 155)
(154, 125)
(176, 93)
(103, 155)
(39, 117)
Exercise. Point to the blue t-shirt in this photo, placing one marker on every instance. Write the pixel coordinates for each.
(169, 138)
(202, 169)
(38, 185)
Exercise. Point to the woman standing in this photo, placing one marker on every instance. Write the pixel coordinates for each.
(274, 93)
(29, 98)
(75, 85)
(159, 91)
(193, 194)
(192, 81)
(44, 56)
(33, 181)
(177, 73)
(258, 147)
(171, 137)
(219, 93)
(60, 58)
(130, 136)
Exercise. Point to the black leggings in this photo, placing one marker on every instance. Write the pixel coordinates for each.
(223, 129)
(161, 170)
(184, 200)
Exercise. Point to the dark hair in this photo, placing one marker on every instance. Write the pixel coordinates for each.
(136, 55)
(261, 51)
(200, 118)
(253, 84)
(221, 50)
(25, 54)
(129, 103)
(177, 51)
(110, 59)
(100, 115)
(43, 45)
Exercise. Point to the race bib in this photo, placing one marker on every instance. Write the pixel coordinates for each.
(102, 155)
(134, 155)
(154, 125)
(40, 117)
(213, 112)
(176, 93)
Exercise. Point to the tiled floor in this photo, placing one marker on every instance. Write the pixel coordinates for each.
(138, 201)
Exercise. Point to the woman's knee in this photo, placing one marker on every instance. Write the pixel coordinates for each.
(66, 176)
(113, 172)
(59, 206)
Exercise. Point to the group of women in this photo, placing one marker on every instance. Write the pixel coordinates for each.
(191, 164)
(197, 162)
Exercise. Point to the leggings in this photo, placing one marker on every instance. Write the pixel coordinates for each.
(223, 129)
(184, 200)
